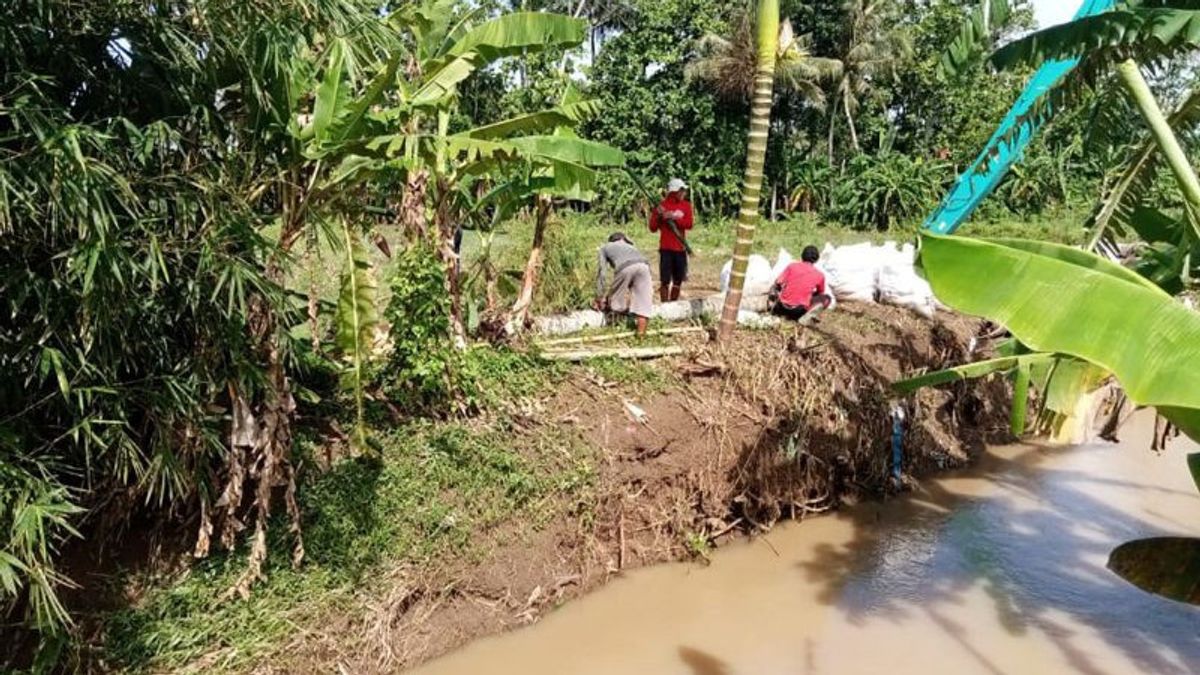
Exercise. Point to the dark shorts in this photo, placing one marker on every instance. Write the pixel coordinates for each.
(789, 312)
(672, 268)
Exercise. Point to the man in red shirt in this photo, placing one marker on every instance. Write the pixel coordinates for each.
(800, 289)
(672, 248)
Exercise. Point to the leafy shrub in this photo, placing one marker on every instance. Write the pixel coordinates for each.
(421, 371)
(1034, 185)
(878, 191)
(812, 181)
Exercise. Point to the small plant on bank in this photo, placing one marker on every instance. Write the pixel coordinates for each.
(697, 545)
(423, 369)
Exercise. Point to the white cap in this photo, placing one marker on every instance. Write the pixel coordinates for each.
(675, 185)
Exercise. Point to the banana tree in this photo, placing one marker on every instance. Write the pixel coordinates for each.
(372, 120)
(767, 41)
(1064, 302)
(1116, 41)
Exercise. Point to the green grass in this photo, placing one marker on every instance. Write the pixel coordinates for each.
(433, 492)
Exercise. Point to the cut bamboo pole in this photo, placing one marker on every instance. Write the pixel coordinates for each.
(640, 353)
(684, 330)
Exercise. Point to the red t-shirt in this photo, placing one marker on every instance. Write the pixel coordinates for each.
(798, 283)
(667, 241)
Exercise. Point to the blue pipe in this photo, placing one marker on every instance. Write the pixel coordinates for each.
(897, 443)
(977, 182)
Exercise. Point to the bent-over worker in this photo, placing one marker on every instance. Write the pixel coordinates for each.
(800, 289)
(672, 219)
(632, 289)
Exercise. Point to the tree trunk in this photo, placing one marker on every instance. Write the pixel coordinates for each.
(412, 205)
(447, 230)
(850, 122)
(756, 153)
(519, 316)
(1185, 175)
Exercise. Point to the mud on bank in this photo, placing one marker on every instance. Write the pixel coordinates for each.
(779, 424)
(466, 528)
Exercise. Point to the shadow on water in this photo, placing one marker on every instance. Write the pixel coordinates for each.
(703, 663)
(1037, 547)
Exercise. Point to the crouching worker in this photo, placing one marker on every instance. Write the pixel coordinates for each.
(800, 289)
(632, 289)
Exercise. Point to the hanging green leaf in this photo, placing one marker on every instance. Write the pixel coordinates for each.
(519, 32)
(969, 372)
(333, 91)
(1020, 400)
(356, 318)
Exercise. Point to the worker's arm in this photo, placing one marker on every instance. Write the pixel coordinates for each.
(821, 286)
(600, 285)
(685, 223)
(654, 219)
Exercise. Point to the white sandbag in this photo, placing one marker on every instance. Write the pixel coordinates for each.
(782, 260)
(852, 272)
(901, 286)
(828, 290)
(758, 276)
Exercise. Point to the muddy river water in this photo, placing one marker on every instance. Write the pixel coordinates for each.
(998, 569)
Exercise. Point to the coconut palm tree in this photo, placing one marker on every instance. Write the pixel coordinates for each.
(875, 47)
(767, 30)
(729, 64)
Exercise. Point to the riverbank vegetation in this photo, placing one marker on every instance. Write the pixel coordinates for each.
(246, 381)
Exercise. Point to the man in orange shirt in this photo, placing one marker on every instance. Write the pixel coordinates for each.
(672, 219)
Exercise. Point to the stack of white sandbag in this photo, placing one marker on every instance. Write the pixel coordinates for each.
(900, 285)
(758, 276)
(886, 273)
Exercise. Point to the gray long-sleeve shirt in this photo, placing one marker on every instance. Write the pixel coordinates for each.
(619, 255)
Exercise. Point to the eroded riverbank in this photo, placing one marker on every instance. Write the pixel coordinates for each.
(996, 569)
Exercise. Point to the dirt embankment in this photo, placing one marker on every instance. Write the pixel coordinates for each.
(775, 425)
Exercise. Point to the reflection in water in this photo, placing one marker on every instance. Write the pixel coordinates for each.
(997, 570)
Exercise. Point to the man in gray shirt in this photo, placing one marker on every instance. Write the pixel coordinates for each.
(632, 289)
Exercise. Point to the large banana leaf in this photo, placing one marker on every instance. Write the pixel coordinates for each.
(1138, 333)
(1078, 258)
(333, 92)
(518, 33)
(545, 120)
(570, 149)
(356, 318)
(348, 124)
(445, 79)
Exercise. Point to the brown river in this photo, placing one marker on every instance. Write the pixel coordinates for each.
(998, 569)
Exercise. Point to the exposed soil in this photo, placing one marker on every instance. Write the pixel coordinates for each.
(776, 425)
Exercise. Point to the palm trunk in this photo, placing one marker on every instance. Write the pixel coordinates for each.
(756, 153)
(850, 122)
(1189, 184)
